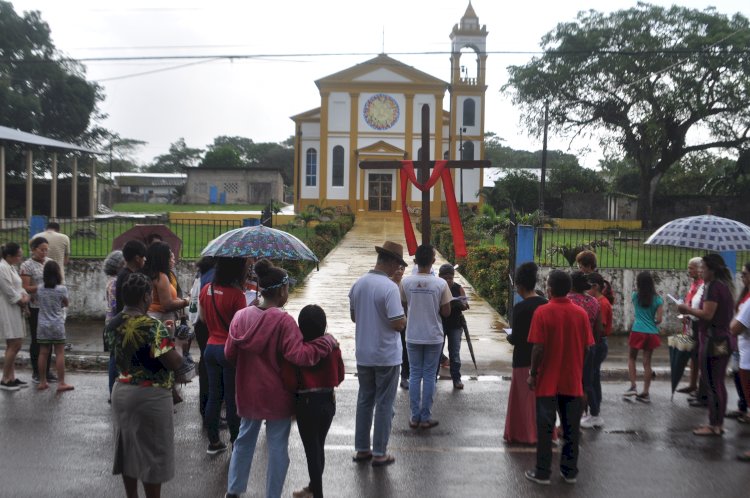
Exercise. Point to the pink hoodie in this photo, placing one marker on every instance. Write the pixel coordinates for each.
(257, 340)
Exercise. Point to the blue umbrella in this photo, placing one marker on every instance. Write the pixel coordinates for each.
(259, 242)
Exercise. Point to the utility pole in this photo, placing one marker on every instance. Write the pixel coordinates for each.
(111, 181)
(541, 182)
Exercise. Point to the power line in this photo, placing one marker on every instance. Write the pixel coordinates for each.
(711, 52)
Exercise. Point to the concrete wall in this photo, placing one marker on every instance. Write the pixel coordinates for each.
(242, 186)
(87, 284)
(672, 282)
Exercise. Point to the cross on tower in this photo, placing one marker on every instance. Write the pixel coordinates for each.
(424, 164)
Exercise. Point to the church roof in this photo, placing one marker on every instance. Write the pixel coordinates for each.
(311, 115)
(377, 72)
(381, 148)
(470, 12)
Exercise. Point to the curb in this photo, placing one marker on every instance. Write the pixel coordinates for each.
(99, 362)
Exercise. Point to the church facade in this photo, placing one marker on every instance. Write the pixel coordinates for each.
(372, 112)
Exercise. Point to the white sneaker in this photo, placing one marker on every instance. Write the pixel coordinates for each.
(592, 422)
(585, 421)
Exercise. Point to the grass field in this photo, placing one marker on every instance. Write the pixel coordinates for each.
(147, 207)
(617, 249)
(91, 238)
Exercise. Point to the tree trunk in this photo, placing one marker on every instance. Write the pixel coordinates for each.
(646, 193)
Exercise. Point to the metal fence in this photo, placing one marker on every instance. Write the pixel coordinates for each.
(614, 249)
(91, 238)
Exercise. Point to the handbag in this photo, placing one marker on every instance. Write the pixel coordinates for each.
(681, 342)
(717, 346)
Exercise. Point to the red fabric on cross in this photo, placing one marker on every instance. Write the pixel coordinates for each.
(440, 171)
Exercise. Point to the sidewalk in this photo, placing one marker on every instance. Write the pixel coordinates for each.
(329, 287)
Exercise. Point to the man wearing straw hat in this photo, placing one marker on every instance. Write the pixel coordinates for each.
(375, 306)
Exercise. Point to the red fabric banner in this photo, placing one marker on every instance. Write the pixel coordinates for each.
(440, 171)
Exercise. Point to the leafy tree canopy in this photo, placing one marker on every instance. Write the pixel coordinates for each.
(251, 154)
(40, 91)
(655, 84)
(521, 188)
(179, 156)
(507, 158)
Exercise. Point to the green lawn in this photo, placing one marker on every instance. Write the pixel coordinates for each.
(93, 238)
(147, 207)
(622, 249)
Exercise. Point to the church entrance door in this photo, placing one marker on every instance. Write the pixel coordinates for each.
(380, 191)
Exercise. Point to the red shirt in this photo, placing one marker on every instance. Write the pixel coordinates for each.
(605, 308)
(328, 373)
(563, 329)
(229, 300)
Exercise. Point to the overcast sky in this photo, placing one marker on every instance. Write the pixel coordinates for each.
(199, 100)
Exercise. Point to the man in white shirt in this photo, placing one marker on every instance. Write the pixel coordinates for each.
(375, 307)
(59, 245)
(427, 298)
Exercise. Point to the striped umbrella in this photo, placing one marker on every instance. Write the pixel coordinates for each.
(706, 232)
(258, 242)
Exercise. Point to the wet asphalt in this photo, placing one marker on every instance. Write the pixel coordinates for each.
(61, 446)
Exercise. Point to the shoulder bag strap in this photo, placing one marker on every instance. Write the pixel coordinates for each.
(216, 309)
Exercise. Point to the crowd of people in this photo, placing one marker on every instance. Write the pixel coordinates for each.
(235, 309)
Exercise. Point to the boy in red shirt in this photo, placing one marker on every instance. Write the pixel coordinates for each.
(561, 333)
(315, 401)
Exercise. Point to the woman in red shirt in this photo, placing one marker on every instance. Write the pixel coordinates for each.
(315, 401)
(219, 301)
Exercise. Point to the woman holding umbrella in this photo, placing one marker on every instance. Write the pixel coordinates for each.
(715, 344)
(165, 302)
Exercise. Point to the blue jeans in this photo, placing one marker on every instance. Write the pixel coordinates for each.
(377, 391)
(423, 363)
(453, 337)
(277, 440)
(220, 373)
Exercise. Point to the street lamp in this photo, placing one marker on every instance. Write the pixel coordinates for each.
(461, 157)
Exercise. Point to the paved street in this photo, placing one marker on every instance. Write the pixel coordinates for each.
(61, 446)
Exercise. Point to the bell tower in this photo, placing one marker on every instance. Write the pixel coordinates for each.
(467, 100)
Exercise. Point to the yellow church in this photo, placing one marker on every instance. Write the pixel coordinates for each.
(372, 111)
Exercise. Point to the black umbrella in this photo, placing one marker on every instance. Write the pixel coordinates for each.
(680, 351)
(468, 341)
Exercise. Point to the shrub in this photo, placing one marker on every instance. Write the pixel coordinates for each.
(329, 230)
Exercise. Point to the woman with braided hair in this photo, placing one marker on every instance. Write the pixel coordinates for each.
(145, 358)
(259, 336)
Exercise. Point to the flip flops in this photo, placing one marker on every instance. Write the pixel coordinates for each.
(61, 388)
(361, 457)
(388, 460)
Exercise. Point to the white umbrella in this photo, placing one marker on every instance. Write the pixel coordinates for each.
(706, 232)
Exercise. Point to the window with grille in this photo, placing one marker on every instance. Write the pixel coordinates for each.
(231, 187)
(311, 169)
(337, 177)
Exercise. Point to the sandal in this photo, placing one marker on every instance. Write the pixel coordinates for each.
(64, 387)
(413, 424)
(707, 430)
(361, 456)
(388, 460)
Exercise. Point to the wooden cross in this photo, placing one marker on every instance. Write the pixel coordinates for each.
(423, 165)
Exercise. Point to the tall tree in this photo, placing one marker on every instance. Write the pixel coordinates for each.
(179, 156)
(656, 83)
(249, 154)
(41, 91)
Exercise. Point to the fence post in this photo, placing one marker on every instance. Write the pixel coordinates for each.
(524, 249)
(730, 258)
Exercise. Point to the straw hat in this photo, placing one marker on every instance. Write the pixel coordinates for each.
(394, 250)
